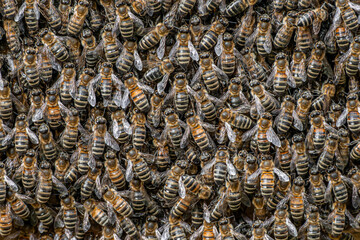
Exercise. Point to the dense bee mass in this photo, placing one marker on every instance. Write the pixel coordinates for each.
(179, 119)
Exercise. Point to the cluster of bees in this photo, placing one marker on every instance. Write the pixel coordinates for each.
(179, 119)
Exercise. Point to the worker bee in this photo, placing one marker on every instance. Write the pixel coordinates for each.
(281, 192)
(288, 116)
(267, 173)
(312, 225)
(283, 227)
(30, 10)
(336, 219)
(259, 231)
(350, 59)
(237, 6)
(350, 114)
(151, 228)
(284, 155)
(95, 210)
(110, 44)
(109, 8)
(227, 52)
(31, 70)
(47, 143)
(160, 71)
(64, 10)
(158, 34)
(196, 31)
(345, 10)
(51, 14)
(336, 185)
(328, 154)
(265, 134)
(81, 95)
(66, 83)
(283, 36)
(128, 57)
(298, 67)
(245, 29)
(213, 35)
(314, 17)
(9, 8)
(6, 220)
(90, 53)
(127, 20)
(77, 20)
(95, 17)
(44, 215)
(183, 48)
(255, 69)
(300, 156)
(281, 75)
(303, 105)
(172, 129)
(119, 204)
(121, 128)
(68, 212)
(12, 33)
(90, 183)
(114, 170)
(56, 47)
(5, 181)
(262, 36)
(46, 63)
(317, 61)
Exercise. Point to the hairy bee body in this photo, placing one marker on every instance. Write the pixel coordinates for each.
(5, 221)
(235, 7)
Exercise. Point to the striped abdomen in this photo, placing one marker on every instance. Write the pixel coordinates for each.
(280, 83)
(234, 200)
(297, 208)
(284, 123)
(32, 75)
(209, 110)
(268, 103)
(260, 43)
(318, 194)
(180, 207)
(208, 41)
(175, 135)
(138, 202)
(177, 232)
(87, 188)
(200, 137)
(139, 99)
(211, 80)
(171, 189)
(81, 98)
(44, 190)
(117, 178)
(20, 209)
(181, 101)
(235, 7)
(129, 228)
(44, 216)
(126, 28)
(186, 6)
(314, 69)
(340, 192)
(352, 65)
(275, 199)
(21, 142)
(350, 18)
(325, 160)
(285, 160)
(112, 52)
(70, 137)
(153, 75)
(228, 63)
(139, 136)
(280, 231)
(59, 51)
(283, 37)
(99, 216)
(70, 218)
(122, 207)
(353, 121)
(98, 146)
(263, 142)
(183, 56)
(241, 121)
(304, 39)
(267, 183)
(31, 20)
(338, 225)
(319, 138)
(314, 231)
(125, 62)
(220, 171)
(143, 171)
(302, 165)
(149, 41)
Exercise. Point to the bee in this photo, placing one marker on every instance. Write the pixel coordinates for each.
(161, 71)
(110, 43)
(129, 57)
(234, 195)
(227, 231)
(118, 203)
(281, 75)
(100, 138)
(265, 134)
(183, 48)
(90, 183)
(64, 10)
(284, 155)
(255, 69)
(317, 61)
(298, 67)
(136, 163)
(12, 33)
(317, 133)
(46, 63)
(288, 116)
(317, 187)
(284, 35)
(337, 185)
(18, 205)
(126, 20)
(114, 170)
(137, 195)
(162, 154)
(156, 102)
(193, 186)
(136, 91)
(95, 17)
(6, 219)
(22, 134)
(66, 83)
(342, 37)
(185, 7)
(152, 38)
(259, 231)
(46, 181)
(227, 53)
(47, 143)
(283, 227)
(72, 129)
(342, 159)
(212, 36)
(30, 10)
(250, 167)
(334, 114)
(6, 107)
(61, 167)
(267, 173)
(51, 14)
(196, 31)
(121, 128)
(30, 67)
(90, 53)
(347, 13)
(71, 174)
(303, 106)
(337, 219)
(237, 6)
(77, 20)
(69, 212)
(197, 129)
(245, 30)
(262, 36)
(109, 233)
(56, 47)
(9, 8)
(43, 214)
(297, 199)
(350, 59)
(235, 96)
(211, 75)
(5, 181)
(314, 17)
(129, 227)
(82, 93)
(327, 156)
(303, 39)
(151, 228)
(172, 129)
(109, 8)
(281, 192)
(300, 157)
(138, 121)
(94, 209)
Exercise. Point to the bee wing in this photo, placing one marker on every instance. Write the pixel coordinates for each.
(80, 181)
(86, 223)
(181, 190)
(238, 235)
(59, 185)
(254, 176)
(208, 166)
(129, 171)
(297, 122)
(136, 19)
(138, 63)
(220, 73)
(230, 133)
(166, 233)
(171, 94)
(272, 137)
(316, 26)
(218, 46)
(197, 233)
(161, 49)
(230, 168)
(117, 98)
(125, 100)
(251, 39)
(353, 222)
(146, 87)
(259, 107)
(248, 134)
(355, 6)
(270, 79)
(329, 128)
(290, 78)
(267, 43)
(282, 176)
(291, 227)
(174, 49)
(111, 142)
(222, 135)
(156, 117)
(20, 13)
(32, 136)
(91, 96)
(162, 84)
(193, 53)
(185, 139)
(12, 185)
(8, 137)
(342, 118)
(355, 197)
(196, 77)
(328, 71)
(98, 187)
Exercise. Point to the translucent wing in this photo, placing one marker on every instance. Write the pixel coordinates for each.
(222, 135)
(129, 171)
(117, 98)
(355, 197)
(174, 49)
(248, 134)
(156, 117)
(355, 6)
(20, 13)
(282, 176)
(196, 77)
(230, 168)
(91, 91)
(237, 235)
(162, 84)
(297, 122)
(146, 87)
(208, 126)
(111, 142)
(138, 63)
(166, 234)
(8, 137)
(272, 137)
(251, 39)
(221, 74)
(267, 43)
(98, 187)
(270, 79)
(59, 185)
(208, 166)
(126, 100)
(259, 107)
(193, 53)
(197, 233)
(161, 49)
(92, 162)
(185, 138)
(230, 133)
(182, 190)
(32, 136)
(218, 46)
(254, 176)
(290, 78)
(86, 222)
(342, 118)
(127, 126)
(39, 113)
(11, 184)
(316, 26)
(292, 228)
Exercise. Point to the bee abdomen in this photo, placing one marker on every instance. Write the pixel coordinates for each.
(170, 189)
(70, 219)
(127, 28)
(44, 191)
(87, 188)
(139, 137)
(208, 41)
(183, 56)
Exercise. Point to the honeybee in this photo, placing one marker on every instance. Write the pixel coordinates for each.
(90, 52)
(121, 128)
(30, 10)
(61, 166)
(245, 29)
(183, 48)
(288, 116)
(66, 83)
(44, 215)
(262, 36)
(213, 35)
(152, 38)
(212, 75)
(259, 231)
(31, 70)
(267, 173)
(297, 200)
(5, 181)
(119, 204)
(156, 102)
(160, 71)
(300, 157)
(12, 33)
(281, 75)
(95, 17)
(56, 47)
(336, 185)
(6, 219)
(350, 59)
(129, 56)
(95, 210)
(110, 44)
(283, 227)
(346, 9)
(255, 69)
(237, 6)
(303, 105)
(127, 20)
(281, 192)
(90, 183)
(284, 155)
(317, 61)
(81, 95)
(51, 14)
(46, 63)
(64, 10)
(47, 143)
(77, 20)
(336, 219)
(196, 31)
(18, 204)
(109, 8)
(68, 213)
(283, 36)
(265, 134)
(114, 170)
(9, 8)
(298, 67)
(314, 17)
